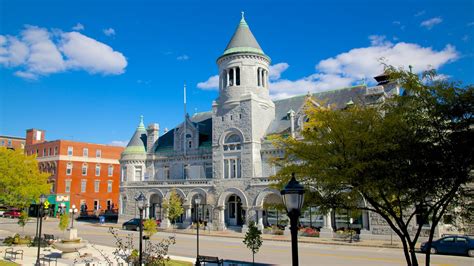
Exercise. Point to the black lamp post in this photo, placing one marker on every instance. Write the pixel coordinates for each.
(72, 211)
(293, 197)
(40, 214)
(197, 201)
(141, 204)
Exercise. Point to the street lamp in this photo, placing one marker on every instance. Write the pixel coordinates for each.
(293, 197)
(72, 211)
(40, 216)
(197, 201)
(141, 204)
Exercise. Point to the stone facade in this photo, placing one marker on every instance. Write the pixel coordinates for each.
(223, 156)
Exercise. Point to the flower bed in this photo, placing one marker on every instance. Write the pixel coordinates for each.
(309, 232)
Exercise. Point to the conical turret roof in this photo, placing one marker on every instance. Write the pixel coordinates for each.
(243, 40)
(137, 144)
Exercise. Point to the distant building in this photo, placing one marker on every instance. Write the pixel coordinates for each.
(11, 142)
(83, 174)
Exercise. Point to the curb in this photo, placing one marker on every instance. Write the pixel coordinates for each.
(300, 240)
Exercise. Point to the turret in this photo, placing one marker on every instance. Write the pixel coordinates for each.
(133, 157)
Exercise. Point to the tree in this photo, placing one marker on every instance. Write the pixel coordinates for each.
(173, 207)
(149, 226)
(20, 179)
(409, 157)
(23, 219)
(253, 239)
(63, 221)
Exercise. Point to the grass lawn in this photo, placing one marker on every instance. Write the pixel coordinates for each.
(177, 263)
(9, 263)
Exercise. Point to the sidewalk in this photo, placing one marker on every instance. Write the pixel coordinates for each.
(91, 255)
(286, 238)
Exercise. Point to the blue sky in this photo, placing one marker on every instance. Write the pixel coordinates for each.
(86, 71)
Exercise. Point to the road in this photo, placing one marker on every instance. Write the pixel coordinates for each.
(272, 252)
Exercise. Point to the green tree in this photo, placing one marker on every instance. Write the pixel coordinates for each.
(20, 179)
(63, 221)
(23, 219)
(253, 239)
(408, 158)
(173, 206)
(149, 226)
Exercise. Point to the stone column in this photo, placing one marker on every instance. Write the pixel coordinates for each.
(165, 222)
(260, 219)
(246, 220)
(187, 216)
(221, 219)
(327, 230)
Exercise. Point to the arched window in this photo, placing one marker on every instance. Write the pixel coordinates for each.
(232, 142)
(232, 163)
(84, 169)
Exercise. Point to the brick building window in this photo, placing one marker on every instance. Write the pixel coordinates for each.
(55, 150)
(110, 171)
(84, 169)
(109, 186)
(96, 185)
(85, 152)
(83, 185)
(97, 170)
(69, 151)
(67, 188)
(98, 153)
(69, 168)
(44, 152)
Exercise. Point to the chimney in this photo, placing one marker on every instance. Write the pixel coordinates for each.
(34, 136)
(153, 131)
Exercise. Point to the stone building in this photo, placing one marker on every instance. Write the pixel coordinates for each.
(223, 156)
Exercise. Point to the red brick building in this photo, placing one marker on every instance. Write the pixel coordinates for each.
(11, 142)
(84, 174)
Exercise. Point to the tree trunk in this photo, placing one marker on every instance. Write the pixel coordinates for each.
(414, 259)
(253, 258)
(405, 252)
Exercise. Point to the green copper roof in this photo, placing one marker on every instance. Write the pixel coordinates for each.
(137, 144)
(243, 41)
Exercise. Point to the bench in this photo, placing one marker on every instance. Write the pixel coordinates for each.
(48, 259)
(49, 238)
(13, 253)
(210, 259)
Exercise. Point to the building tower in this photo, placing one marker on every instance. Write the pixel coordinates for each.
(134, 156)
(243, 110)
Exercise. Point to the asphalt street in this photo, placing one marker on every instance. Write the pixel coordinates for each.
(272, 252)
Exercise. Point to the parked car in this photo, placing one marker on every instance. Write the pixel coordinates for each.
(2, 211)
(132, 224)
(458, 245)
(12, 214)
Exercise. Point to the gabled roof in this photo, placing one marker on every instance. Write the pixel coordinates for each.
(202, 120)
(137, 144)
(243, 41)
(339, 98)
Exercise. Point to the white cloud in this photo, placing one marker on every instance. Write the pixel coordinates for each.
(379, 40)
(430, 23)
(121, 143)
(13, 52)
(39, 52)
(420, 13)
(182, 57)
(109, 32)
(354, 67)
(78, 27)
(83, 52)
(210, 84)
(277, 69)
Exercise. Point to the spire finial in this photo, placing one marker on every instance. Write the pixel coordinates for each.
(243, 14)
(141, 119)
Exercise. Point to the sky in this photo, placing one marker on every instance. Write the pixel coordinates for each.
(87, 70)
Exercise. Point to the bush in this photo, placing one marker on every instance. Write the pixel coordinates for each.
(310, 232)
(63, 222)
(17, 240)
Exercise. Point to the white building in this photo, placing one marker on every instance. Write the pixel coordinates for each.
(223, 155)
